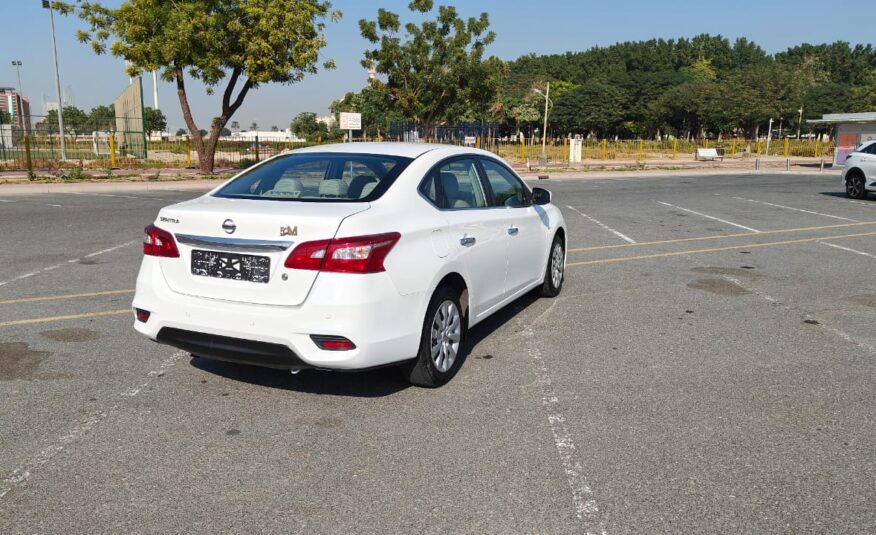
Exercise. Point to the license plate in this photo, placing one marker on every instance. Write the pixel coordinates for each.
(241, 267)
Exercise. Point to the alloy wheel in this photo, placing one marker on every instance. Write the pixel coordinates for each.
(446, 333)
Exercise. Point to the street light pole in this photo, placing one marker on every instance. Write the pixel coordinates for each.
(547, 98)
(17, 64)
(769, 136)
(48, 5)
(799, 122)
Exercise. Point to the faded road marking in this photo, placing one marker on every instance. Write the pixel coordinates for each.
(67, 317)
(796, 209)
(713, 218)
(848, 249)
(62, 297)
(720, 236)
(715, 249)
(22, 473)
(56, 266)
(603, 225)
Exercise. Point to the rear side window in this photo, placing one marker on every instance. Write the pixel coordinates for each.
(869, 149)
(508, 190)
(327, 177)
(455, 185)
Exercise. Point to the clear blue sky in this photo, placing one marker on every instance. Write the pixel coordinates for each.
(521, 28)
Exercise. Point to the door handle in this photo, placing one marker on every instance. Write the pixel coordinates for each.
(467, 241)
(513, 231)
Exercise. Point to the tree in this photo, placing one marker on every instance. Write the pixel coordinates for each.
(102, 117)
(305, 125)
(74, 119)
(181, 132)
(591, 107)
(235, 126)
(5, 117)
(241, 43)
(225, 132)
(435, 66)
(376, 107)
(153, 121)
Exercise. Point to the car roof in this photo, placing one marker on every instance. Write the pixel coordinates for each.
(385, 148)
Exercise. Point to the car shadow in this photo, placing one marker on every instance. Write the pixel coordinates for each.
(839, 194)
(365, 384)
(374, 383)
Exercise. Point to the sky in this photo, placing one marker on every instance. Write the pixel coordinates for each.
(522, 27)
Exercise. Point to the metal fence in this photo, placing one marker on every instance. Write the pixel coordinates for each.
(39, 148)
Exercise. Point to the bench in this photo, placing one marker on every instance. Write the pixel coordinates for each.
(709, 154)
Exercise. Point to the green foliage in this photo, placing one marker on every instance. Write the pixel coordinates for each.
(75, 120)
(243, 43)
(102, 118)
(181, 132)
(225, 132)
(435, 71)
(691, 87)
(154, 121)
(376, 107)
(5, 117)
(305, 125)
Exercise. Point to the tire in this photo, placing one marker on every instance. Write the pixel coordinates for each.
(555, 271)
(445, 328)
(855, 188)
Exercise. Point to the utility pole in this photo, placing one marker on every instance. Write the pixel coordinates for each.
(155, 89)
(47, 4)
(769, 137)
(547, 98)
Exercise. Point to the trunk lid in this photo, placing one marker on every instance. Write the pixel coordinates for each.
(261, 228)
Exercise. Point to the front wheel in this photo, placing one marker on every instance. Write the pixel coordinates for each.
(441, 342)
(855, 186)
(555, 270)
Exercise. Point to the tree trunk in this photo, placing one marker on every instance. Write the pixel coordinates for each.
(207, 150)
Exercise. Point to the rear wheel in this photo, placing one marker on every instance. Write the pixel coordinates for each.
(555, 270)
(855, 186)
(441, 342)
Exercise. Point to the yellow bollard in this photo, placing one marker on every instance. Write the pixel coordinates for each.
(733, 147)
(522, 148)
(674, 148)
(565, 150)
(188, 151)
(478, 142)
(641, 150)
(816, 148)
(758, 147)
(787, 146)
(604, 149)
(112, 147)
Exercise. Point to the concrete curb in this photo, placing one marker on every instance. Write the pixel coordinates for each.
(96, 187)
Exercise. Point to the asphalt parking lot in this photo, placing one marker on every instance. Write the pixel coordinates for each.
(708, 368)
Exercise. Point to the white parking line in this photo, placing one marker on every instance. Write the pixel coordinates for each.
(797, 209)
(55, 205)
(4, 200)
(56, 266)
(586, 508)
(847, 249)
(23, 472)
(709, 217)
(603, 225)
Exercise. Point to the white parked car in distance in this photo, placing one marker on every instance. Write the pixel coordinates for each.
(859, 172)
(348, 257)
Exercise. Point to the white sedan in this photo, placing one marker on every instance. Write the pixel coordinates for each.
(348, 257)
(859, 171)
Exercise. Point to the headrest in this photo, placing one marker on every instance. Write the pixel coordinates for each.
(333, 188)
(450, 184)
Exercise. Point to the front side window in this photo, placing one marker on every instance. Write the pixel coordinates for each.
(507, 188)
(454, 185)
(326, 177)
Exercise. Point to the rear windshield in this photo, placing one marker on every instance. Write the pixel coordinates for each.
(318, 177)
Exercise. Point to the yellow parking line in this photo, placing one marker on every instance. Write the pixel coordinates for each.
(714, 250)
(65, 296)
(63, 318)
(718, 237)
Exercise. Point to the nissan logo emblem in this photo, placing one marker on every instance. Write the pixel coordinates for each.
(228, 226)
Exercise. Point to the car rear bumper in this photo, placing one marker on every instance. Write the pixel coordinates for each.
(366, 309)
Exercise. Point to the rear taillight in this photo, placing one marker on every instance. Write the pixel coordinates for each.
(159, 242)
(142, 315)
(362, 254)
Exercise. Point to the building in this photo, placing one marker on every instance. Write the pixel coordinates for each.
(852, 129)
(16, 106)
(286, 136)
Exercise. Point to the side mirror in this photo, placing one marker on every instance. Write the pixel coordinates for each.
(541, 196)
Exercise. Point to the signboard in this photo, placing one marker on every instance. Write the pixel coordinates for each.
(350, 121)
(470, 141)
